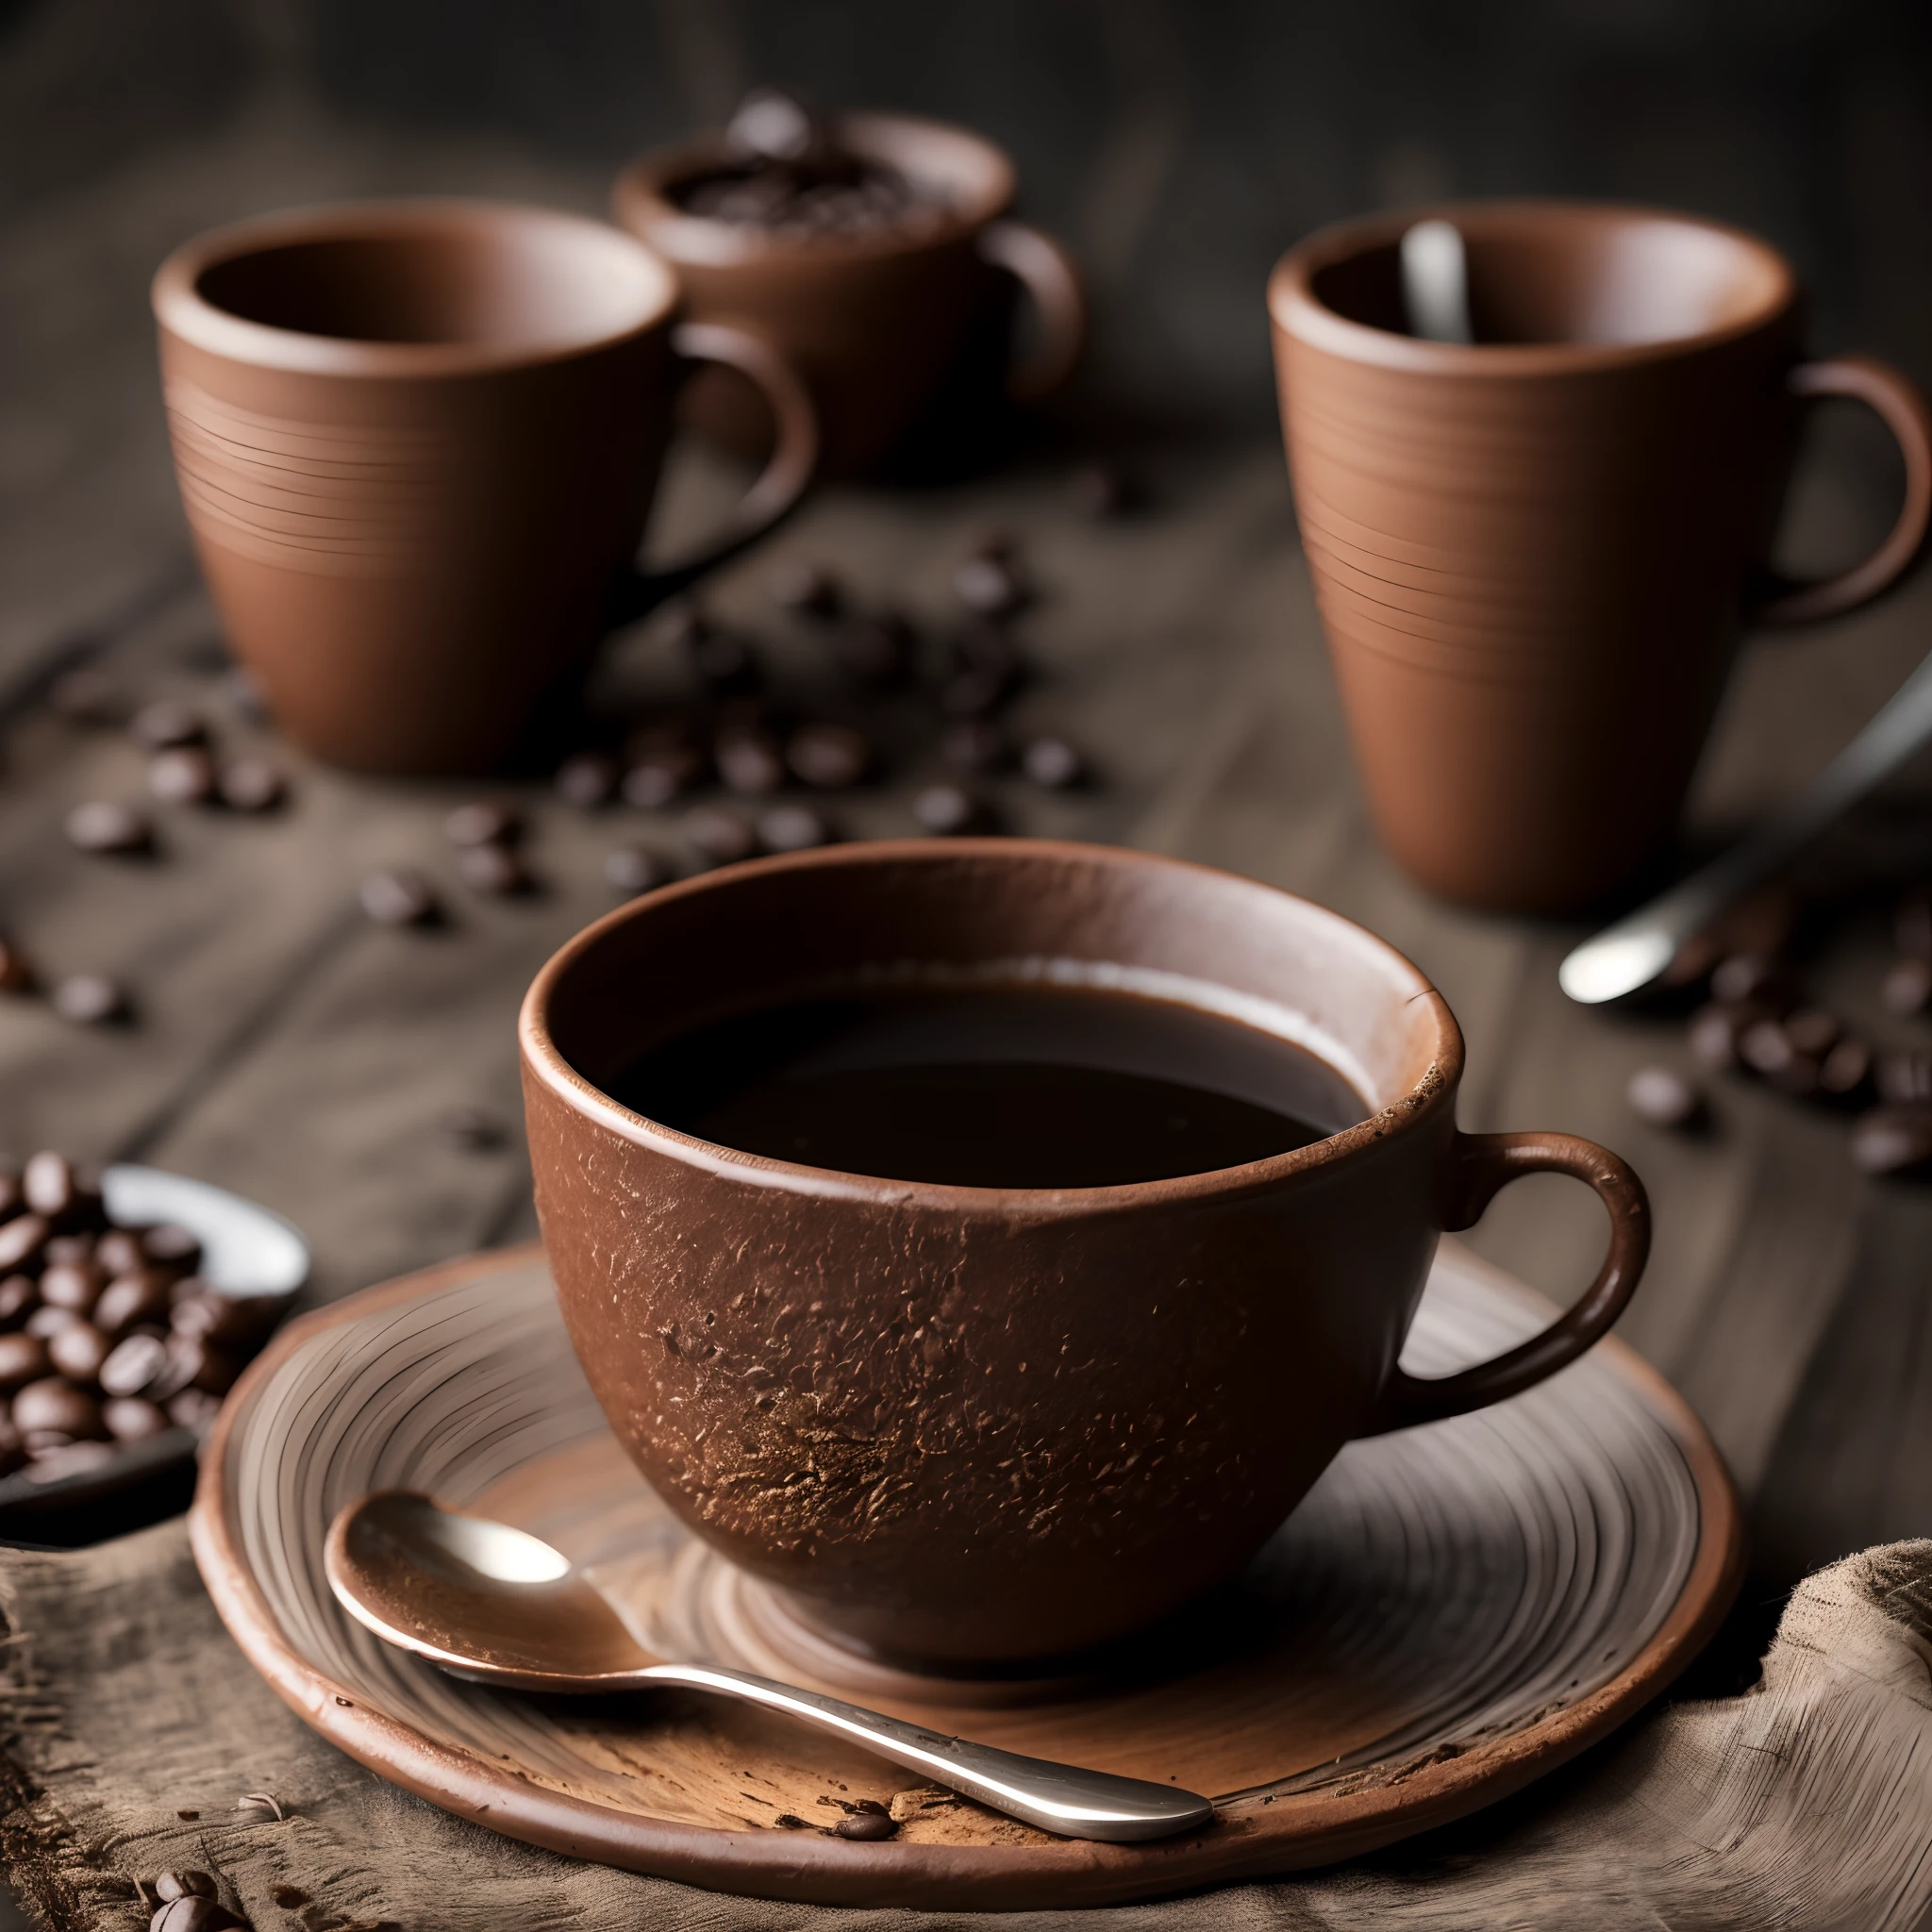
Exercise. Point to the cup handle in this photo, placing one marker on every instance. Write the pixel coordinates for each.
(1480, 1165)
(1898, 403)
(780, 486)
(1046, 272)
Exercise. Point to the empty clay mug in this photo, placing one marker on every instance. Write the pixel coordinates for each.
(875, 322)
(978, 1427)
(1534, 555)
(418, 441)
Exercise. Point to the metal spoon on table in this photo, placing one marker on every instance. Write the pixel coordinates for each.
(497, 1606)
(1630, 955)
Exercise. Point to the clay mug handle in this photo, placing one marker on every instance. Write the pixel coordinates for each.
(1479, 1167)
(1897, 401)
(1046, 272)
(780, 486)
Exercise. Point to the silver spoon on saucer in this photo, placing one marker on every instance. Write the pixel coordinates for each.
(1627, 956)
(497, 1606)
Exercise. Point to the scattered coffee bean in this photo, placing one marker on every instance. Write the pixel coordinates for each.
(88, 999)
(791, 828)
(1768, 1048)
(945, 810)
(1903, 1078)
(1663, 1097)
(193, 1915)
(135, 1366)
(105, 826)
(832, 757)
(716, 835)
(398, 896)
(635, 869)
(661, 775)
(1845, 1068)
(23, 1359)
(474, 1128)
(867, 1827)
(805, 588)
(749, 761)
(986, 670)
(1907, 987)
(165, 724)
(78, 1353)
(19, 1295)
(85, 697)
(1745, 976)
(988, 584)
(1051, 763)
(1715, 1030)
(250, 785)
(48, 1186)
(974, 744)
(141, 1296)
(588, 780)
(75, 1285)
(171, 1885)
(16, 974)
(131, 1419)
(485, 822)
(1812, 1031)
(185, 775)
(57, 1408)
(22, 1239)
(1892, 1140)
(497, 868)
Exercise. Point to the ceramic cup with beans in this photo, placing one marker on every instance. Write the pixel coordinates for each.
(1534, 554)
(876, 319)
(980, 1427)
(418, 441)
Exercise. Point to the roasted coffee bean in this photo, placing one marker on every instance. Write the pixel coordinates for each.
(398, 896)
(830, 756)
(805, 588)
(485, 822)
(946, 809)
(792, 828)
(75, 1285)
(104, 825)
(1845, 1068)
(974, 744)
(773, 126)
(194, 1363)
(496, 869)
(89, 999)
(16, 973)
(78, 1353)
(1907, 987)
(1812, 1031)
(1893, 1140)
(193, 1915)
(65, 1250)
(635, 869)
(194, 1409)
(132, 1418)
(23, 1359)
(1051, 763)
(1746, 977)
(12, 1449)
(46, 1184)
(185, 775)
(85, 697)
(1715, 1030)
(141, 1296)
(172, 1884)
(120, 1252)
(169, 1246)
(231, 1321)
(658, 780)
(717, 835)
(1905, 1079)
(867, 1828)
(57, 1408)
(165, 724)
(1101, 490)
(588, 780)
(1767, 1048)
(20, 1296)
(250, 785)
(988, 584)
(986, 671)
(22, 1239)
(871, 648)
(1663, 1097)
(134, 1366)
(749, 761)
(1912, 924)
(47, 1322)
(474, 1128)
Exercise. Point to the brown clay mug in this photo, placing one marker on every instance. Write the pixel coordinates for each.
(418, 441)
(978, 1428)
(875, 322)
(1534, 555)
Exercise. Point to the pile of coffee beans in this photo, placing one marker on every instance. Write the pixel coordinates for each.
(107, 1334)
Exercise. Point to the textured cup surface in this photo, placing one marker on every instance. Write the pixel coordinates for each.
(970, 1426)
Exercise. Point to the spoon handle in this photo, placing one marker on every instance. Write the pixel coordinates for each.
(1058, 1798)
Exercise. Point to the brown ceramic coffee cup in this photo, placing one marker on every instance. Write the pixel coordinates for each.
(875, 322)
(1534, 555)
(978, 1428)
(418, 441)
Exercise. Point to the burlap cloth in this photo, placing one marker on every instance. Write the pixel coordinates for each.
(1805, 1802)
